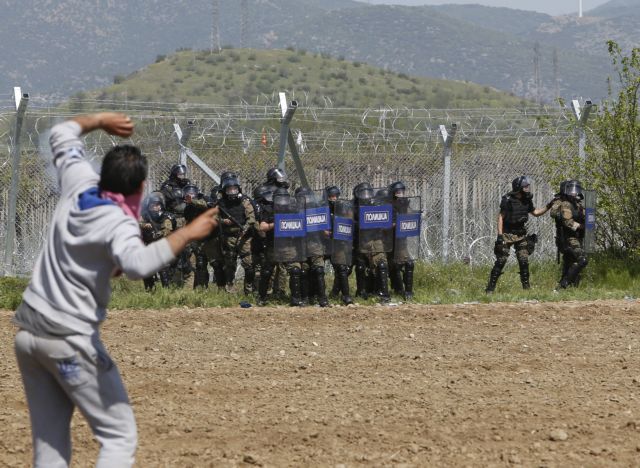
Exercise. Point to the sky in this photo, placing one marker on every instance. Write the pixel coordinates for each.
(551, 7)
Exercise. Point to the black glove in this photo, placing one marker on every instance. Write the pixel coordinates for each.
(499, 239)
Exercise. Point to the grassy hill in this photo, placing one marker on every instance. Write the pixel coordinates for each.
(236, 75)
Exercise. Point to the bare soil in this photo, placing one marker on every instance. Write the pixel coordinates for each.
(416, 385)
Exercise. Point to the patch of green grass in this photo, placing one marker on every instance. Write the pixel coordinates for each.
(606, 277)
(11, 291)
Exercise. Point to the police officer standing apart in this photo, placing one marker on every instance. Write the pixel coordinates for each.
(237, 223)
(515, 208)
(569, 215)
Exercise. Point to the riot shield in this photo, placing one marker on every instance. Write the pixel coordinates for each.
(375, 226)
(318, 224)
(342, 233)
(590, 221)
(407, 219)
(289, 229)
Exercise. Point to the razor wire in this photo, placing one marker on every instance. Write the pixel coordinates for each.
(338, 146)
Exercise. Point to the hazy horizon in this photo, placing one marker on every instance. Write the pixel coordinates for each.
(550, 7)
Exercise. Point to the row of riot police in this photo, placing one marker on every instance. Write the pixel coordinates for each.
(281, 233)
(373, 233)
(572, 219)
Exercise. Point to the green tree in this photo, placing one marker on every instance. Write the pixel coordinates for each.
(613, 161)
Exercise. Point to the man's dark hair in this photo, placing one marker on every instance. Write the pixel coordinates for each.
(124, 168)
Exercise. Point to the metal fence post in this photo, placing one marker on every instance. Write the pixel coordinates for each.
(581, 115)
(186, 152)
(447, 140)
(21, 108)
(286, 138)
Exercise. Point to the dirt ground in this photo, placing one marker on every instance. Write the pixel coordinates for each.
(461, 385)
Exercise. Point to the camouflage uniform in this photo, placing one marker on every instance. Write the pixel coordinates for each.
(236, 239)
(515, 212)
(198, 258)
(153, 231)
(293, 268)
(569, 216)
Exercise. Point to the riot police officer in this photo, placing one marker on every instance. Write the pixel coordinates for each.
(569, 215)
(401, 264)
(515, 208)
(155, 223)
(332, 193)
(342, 243)
(237, 223)
(262, 194)
(172, 191)
(317, 246)
(289, 252)
(372, 244)
(277, 178)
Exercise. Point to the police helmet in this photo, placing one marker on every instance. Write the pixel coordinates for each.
(227, 174)
(261, 192)
(364, 193)
(277, 177)
(154, 206)
(520, 183)
(231, 187)
(360, 186)
(190, 190)
(179, 173)
(397, 189)
(332, 191)
(572, 188)
(383, 193)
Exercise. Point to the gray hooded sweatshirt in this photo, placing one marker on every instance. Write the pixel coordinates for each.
(70, 287)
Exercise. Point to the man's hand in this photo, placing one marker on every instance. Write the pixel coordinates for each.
(113, 123)
(499, 239)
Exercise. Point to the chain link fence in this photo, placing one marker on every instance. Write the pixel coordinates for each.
(337, 146)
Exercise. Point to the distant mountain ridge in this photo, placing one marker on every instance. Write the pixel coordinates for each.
(66, 46)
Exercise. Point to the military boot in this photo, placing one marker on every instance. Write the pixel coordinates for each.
(249, 277)
(218, 271)
(295, 285)
(524, 275)
(335, 289)
(165, 280)
(408, 281)
(149, 283)
(395, 274)
(263, 286)
(343, 279)
(496, 271)
(361, 288)
(304, 287)
(320, 287)
(383, 282)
